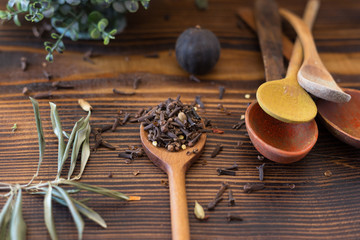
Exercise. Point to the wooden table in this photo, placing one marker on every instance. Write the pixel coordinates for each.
(299, 201)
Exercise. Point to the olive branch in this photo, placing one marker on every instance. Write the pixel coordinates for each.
(12, 224)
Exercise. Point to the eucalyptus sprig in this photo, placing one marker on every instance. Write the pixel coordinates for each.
(85, 19)
(12, 224)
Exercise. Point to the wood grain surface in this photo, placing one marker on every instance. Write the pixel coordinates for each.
(299, 201)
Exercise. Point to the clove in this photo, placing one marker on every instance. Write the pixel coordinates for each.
(248, 188)
(216, 151)
(261, 171)
(225, 172)
(231, 217)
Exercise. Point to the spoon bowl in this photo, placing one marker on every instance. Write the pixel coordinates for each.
(276, 140)
(342, 119)
(175, 165)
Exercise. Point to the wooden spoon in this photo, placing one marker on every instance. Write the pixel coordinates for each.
(313, 76)
(276, 140)
(285, 99)
(342, 119)
(175, 165)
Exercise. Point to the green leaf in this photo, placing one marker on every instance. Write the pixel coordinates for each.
(80, 137)
(48, 214)
(5, 215)
(49, 57)
(85, 151)
(48, 49)
(17, 223)
(106, 40)
(99, 190)
(76, 127)
(73, 2)
(95, 16)
(16, 20)
(95, 33)
(82, 208)
(40, 132)
(73, 210)
(39, 17)
(3, 15)
(28, 17)
(55, 36)
(102, 24)
(145, 3)
(131, 5)
(56, 125)
(113, 32)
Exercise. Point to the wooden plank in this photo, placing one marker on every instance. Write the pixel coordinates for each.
(315, 207)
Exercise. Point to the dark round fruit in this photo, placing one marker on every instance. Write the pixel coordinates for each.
(197, 50)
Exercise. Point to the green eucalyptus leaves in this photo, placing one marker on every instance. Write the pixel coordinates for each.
(76, 19)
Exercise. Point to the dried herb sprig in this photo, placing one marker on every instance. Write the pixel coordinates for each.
(12, 224)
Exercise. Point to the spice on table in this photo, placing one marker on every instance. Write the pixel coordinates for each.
(247, 96)
(292, 186)
(60, 85)
(126, 118)
(165, 183)
(221, 92)
(115, 124)
(223, 109)
(216, 150)
(328, 173)
(232, 217)
(217, 131)
(47, 75)
(99, 141)
(85, 105)
(152, 55)
(23, 63)
(135, 173)
(199, 102)
(132, 153)
(231, 198)
(261, 171)
(87, 56)
(218, 197)
(115, 91)
(233, 167)
(225, 172)
(199, 211)
(136, 82)
(193, 78)
(172, 125)
(43, 95)
(25, 91)
(251, 187)
(238, 125)
(260, 157)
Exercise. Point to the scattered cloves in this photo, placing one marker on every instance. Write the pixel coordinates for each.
(231, 217)
(249, 187)
(218, 197)
(221, 92)
(261, 171)
(115, 91)
(231, 198)
(216, 151)
(225, 172)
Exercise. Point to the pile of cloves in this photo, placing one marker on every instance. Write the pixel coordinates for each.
(172, 125)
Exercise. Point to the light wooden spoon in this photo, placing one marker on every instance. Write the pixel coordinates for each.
(175, 165)
(285, 99)
(313, 76)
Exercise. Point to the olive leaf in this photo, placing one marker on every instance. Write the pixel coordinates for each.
(68, 145)
(85, 152)
(5, 217)
(56, 125)
(17, 223)
(48, 214)
(81, 207)
(100, 190)
(74, 212)
(80, 137)
(40, 131)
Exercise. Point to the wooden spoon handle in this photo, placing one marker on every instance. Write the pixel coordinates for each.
(268, 25)
(305, 36)
(178, 203)
(310, 13)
